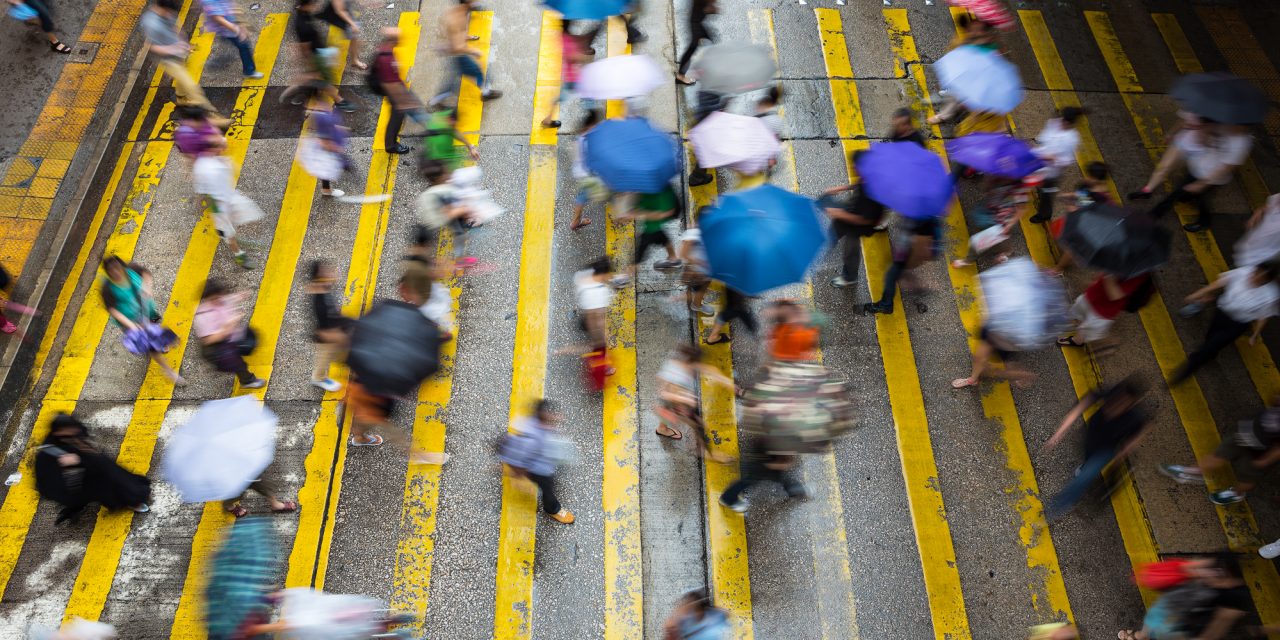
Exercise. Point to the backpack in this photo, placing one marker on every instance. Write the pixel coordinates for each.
(371, 76)
(1141, 296)
(1163, 575)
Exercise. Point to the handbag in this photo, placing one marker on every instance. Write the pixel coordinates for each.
(247, 342)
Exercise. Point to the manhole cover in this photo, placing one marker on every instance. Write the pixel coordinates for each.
(84, 52)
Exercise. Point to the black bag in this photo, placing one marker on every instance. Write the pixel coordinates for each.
(248, 342)
(1141, 296)
(371, 76)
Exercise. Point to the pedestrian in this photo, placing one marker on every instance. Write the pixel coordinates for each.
(258, 486)
(678, 409)
(903, 127)
(533, 450)
(769, 109)
(222, 17)
(225, 339)
(127, 297)
(384, 80)
(735, 308)
(1096, 310)
(594, 296)
(913, 244)
(1251, 452)
(442, 140)
(653, 210)
(214, 179)
(590, 189)
(331, 332)
(196, 134)
(795, 335)
(439, 207)
(697, 269)
(313, 44)
(853, 218)
(1211, 152)
(463, 59)
(1004, 203)
(6, 325)
(323, 151)
(425, 277)
(165, 41)
(1246, 297)
(575, 51)
(1261, 240)
(1056, 145)
(1204, 607)
(1111, 434)
(35, 13)
(71, 469)
(705, 103)
(699, 10)
(338, 13)
(991, 344)
(763, 462)
(1091, 190)
(973, 33)
(629, 15)
(696, 618)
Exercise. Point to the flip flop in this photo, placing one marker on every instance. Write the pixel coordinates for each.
(674, 435)
(373, 441)
(724, 337)
(238, 511)
(585, 222)
(1069, 341)
(960, 383)
(59, 47)
(289, 507)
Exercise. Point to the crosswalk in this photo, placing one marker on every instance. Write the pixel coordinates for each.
(926, 521)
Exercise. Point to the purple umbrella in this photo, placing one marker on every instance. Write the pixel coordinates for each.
(995, 154)
(907, 178)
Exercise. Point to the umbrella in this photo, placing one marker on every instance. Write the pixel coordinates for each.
(991, 12)
(762, 238)
(394, 348)
(629, 155)
(587, 9)
(907, 178)
(1220, 97)
(1024, 305)
(996, 154)
(981, 79)
(243, 572)
(221, 449)
(619, 77)
(1107, 238)
(799, 406)
(732, 68)
(316, 615)
(739, 142)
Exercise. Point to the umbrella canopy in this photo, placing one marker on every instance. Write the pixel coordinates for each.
(991, 12)
(995, 154)
(734, 67)
(629, 155)
(394, 348)
(981, 79)
(762, 238)
(739, 142)
(1110, 239)
(316, 615)
(1220, 97)
(799, 406)
(619, 77)
(221, 449)
(587, 9)
(243, 572)
(907, 178)
(1024, 305)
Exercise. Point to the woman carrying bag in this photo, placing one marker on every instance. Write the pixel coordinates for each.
(71, 471)
(126, 294)
(224, 338)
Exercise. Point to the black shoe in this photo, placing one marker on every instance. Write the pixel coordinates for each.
(1039, 218)
(876, 307)
(69, 515)
(345, 106)
(399, 148)
(798, 492)
(1139, 195)
(492, 94)
(634, 36)
(699, 178)
(1196, 226)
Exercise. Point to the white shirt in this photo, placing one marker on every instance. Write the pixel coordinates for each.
(1207, 153)
(580, 159)
(698, 252)
(592, 294)
(431, 204)
(1056, 145)
(1262, 242)
(1245, 302)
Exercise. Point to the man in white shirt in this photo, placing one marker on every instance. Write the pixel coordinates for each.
(1056, 145)
(1212, 153)
(1249, 296)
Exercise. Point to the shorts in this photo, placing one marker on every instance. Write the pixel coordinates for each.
(337, 21)
(1090, 326)
(566, 92)
(656, 238)
(1241, 458)
(984, 334)
(221, 212)
(695, 280)
(367, 408)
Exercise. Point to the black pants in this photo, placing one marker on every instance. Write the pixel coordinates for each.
(697, 33)
(1223, 330)
(648, 240)
(755, 472)
(547, 485)
(42, 12)
(891, 278)
(1044, 200)
(392, 136)
(851, 253)
(1200, 200)
(735, 308)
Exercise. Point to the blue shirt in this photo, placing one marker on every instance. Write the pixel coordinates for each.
(224, 8)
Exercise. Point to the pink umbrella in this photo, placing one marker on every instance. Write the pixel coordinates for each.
(738, 142)
(992, 12)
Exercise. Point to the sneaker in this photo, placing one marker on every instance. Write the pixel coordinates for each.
(141, 507)
(740, 506)
(839, 282)
(334, 193)
(705, 309)
(620, 281)
(563, 516)
(242, 259)
(1226, 496)
(1191, 309)
(328, 384)
(399, 148)
(699, 178)
(663, 265)
(873, 307)
(345, 106)
(256, 75)
(1270, 551)
(492, 94)
(296, 100)
(257, 383)
(798, 492)
(1184, 475)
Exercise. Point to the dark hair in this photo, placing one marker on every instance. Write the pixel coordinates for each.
(1132, 386)
(212, 288)
(1228, 564)
(904, 112)
(67, 421)
(190, 112)
(317, 266)
(421, 235)
(591, 119)
(699, 599)
(600, 266)
(541, 407)
(855, 154)
(1097, 170)
(773, 96)
(1270, 267)
(172, 5)
(432, 170)
(113, 260)
(1071, 114)
(688, 352)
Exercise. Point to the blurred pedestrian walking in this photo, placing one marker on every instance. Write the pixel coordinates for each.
(322, 150)
(795, 334)
(425, 278)
(696, 618)
(1206, 606)
(912, 245)
(1211, 152)
(1251, 451)
(854, 216)
(594, 294)
(439, 207)
(1055, 144)
(735, 307)
(72, 470)
(165, 41)
(533, 450)
(761, 462)
(313, 43)
(1096, 310)
(590, 188)
(444, 143)
(575, 51)
(903, 127)
(214, 178)
(463, 59)
(127, 296)
(1261, 239)
(696, 275)
(331, 332)
(1246, 298)
(699, 10)
(678, 409)
(339, 14)
(652, 210)
(222, 17)
(35, 13)
(384, 80)
(225, 339)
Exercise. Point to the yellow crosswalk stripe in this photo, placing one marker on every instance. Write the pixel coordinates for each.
(513, 602)
(829, 547)
(1245, 57)
(1237, 520)
(1049, 594)
(318, 497)
(415, 551)
(919, 469)
(87, 331)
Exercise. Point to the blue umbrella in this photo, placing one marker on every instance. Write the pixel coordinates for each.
(587, 9)
(907, 178)
(762, 238)
(630, 156)
(995, 154)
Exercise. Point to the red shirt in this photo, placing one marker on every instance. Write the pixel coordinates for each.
(1097, 296)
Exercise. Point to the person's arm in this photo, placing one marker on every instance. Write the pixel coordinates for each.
(1254, 219)
(1221, 174)
(471, 149)
(840, 189)
(1205, 293)
(1133, 443)
(1268, 457)
(1109, 284)
(1222, 621)
(1167, 162)
(227, 24)
(340, 8)
(178, 49)
(1068, 420)
(714, 374)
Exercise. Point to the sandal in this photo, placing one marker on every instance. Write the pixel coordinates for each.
(238, 511)
(373, 441)
(1127, 634)
(1069, 341)
(58, 46)
(724, 337)
(960, 383)
(287, 506)
(674, 435)
(583, 223)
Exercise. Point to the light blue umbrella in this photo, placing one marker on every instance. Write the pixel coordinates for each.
(980, 79)
(762, 238)
(587, 9)
(631, 156)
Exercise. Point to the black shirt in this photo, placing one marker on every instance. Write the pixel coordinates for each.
(914, 136)
(308, 32)
(1104, 432)
(327, 315)
(1236, 598)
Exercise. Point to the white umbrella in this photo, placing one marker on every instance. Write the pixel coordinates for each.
(316, 615)
(738, 142)
(1024, 305)
(619, 77)
(980, 79)
(224, 447)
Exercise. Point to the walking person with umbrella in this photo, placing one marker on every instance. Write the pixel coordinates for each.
(852, 219)
(1246, 298)
(71, 469)
(1096, 310)
(653, 210)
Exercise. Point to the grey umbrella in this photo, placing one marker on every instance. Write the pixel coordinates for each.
(1119, 242)
(1221, 97)
(732, 68)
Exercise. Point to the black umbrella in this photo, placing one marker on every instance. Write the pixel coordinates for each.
(1221, 97)
(394, 348)
(1120, 242)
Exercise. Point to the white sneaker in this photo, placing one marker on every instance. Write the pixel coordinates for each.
(1270, 551)
(328, 384)
(334, 193)
(257, 383)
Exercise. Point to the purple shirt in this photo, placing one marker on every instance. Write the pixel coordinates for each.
(195, 142)
(224, 8)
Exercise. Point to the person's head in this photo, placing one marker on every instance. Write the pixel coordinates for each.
(390, 36)
(415, 283)
(421, 237)
(320, 273)
(191, 113)
(434, 171)
(114, 267)
(169, 5)
(786, 309)
(65, 425)
(1265, 273)
(697, 601)
(771, 98)
(592, 118)
(974, 28)
(1096, 172)
(213, 289)
(687, 352)
(306, 6)
(904, 121)
(1071, 115)
(1221, 571)
(601, 267)
(1123, 395)
(545, 411)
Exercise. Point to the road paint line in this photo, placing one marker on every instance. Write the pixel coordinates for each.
(919, 469)
(318, 496)
(829, 544)
(415, 551)
(1237, 520)
(86, 332)
(1244, 55)
(513, 603)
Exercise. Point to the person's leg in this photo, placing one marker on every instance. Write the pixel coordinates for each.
(1223, 330)
(449, 82)
(891, 276)
(391, 137)
(1201, 202)
(733, 494)
(790, 481)
(1086, 475)
(547, 487)
(1044, 200)
(634, 35)
(46, 20)
(851, 257)
(325, 354)
(242, 372)
(245, 48)
(169, 373)
(1177, 195)
(695, 40)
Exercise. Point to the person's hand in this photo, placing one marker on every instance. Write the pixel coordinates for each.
(1195, 187)
(1053, 442)
(833, 191)
(353, 28)
(474, 153)
(68, 459)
